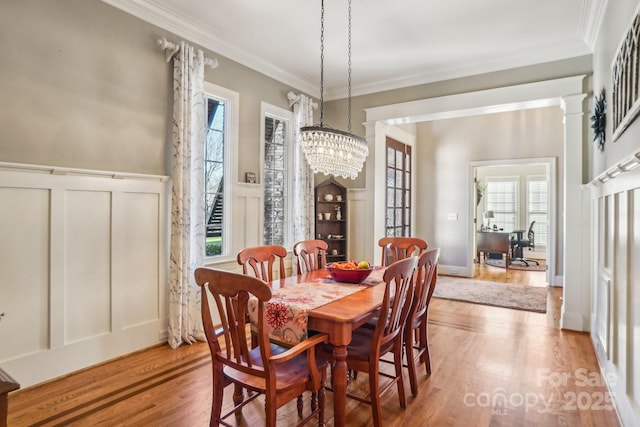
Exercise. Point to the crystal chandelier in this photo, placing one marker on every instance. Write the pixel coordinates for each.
(327, 150)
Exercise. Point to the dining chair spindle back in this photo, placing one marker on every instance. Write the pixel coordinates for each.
(279, 373)
(415, 335)
(261, 260)
(397, 248)
(310, 255)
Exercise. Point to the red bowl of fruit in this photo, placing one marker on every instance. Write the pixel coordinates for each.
(350, 271)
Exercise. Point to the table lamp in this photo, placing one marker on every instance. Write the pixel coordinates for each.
(488, 215)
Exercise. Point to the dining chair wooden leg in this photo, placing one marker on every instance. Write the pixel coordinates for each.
(411, 362)
(270, 411)
(398, 367)
(374, 382)
(216, 401)
(300, 405)
(321, 403)
(238, 397)
(424, 347)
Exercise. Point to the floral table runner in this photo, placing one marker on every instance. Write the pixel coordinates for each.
(286, 313)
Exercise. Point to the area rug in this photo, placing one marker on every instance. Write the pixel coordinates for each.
(519, 297)
(518, 265)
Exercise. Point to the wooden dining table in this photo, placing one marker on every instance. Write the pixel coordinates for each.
(339, 319)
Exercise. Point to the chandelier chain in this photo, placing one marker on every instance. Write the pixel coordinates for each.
(349, 78)
(322, 63)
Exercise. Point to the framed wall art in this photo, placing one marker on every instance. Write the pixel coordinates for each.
(624, 74)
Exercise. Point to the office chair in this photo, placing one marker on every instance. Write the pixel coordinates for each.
(518, 244)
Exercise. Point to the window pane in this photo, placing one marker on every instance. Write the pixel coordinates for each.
(391, 158)
(399, 178)
(391, 177)
(501, 199)
(213, 173)
(390, 197)
(538, 210)
(390, 217)
(214, 146)
(399, 218)
(275, 181)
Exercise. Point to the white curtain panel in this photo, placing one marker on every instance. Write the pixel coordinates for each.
(187, 201)
(303, 203)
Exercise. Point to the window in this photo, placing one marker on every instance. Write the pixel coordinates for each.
(276, 179)
(220, 131)
(538, 208)
(502, 199)
(398, 217)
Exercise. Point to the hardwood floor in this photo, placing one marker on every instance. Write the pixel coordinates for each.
(491, 367)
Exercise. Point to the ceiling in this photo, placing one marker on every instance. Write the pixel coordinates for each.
(395, 44)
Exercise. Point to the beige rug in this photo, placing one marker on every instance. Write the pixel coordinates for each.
(519, 297)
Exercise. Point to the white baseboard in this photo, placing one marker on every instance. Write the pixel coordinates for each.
(573, 321)
(454, 270)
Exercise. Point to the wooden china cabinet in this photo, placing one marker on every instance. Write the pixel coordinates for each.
(331, 218)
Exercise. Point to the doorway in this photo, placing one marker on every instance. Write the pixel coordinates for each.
(524, 191)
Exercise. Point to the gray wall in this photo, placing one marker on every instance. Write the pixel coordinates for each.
(446, 147)
(85, 85)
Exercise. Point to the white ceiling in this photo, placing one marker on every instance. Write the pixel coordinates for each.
(395, 43)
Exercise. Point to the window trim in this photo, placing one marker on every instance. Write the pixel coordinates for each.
(270, 110)
(231, 128)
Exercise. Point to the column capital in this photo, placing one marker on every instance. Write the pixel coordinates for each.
(572, 104)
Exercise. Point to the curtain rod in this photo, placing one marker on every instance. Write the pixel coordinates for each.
(293, 98)
(171, 48)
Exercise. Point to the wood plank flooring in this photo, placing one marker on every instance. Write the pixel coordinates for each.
(491, 367)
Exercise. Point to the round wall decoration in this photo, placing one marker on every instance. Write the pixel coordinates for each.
(599, 120)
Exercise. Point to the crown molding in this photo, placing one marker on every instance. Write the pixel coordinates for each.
(174, 21)
(180, 25)
(531, 56)
(591, 20)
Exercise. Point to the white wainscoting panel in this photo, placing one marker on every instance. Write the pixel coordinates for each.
(24, 263)
(616, 284)
(248, 216)
(603, 313)
(87, 267)
(141, 223)
(84, 262)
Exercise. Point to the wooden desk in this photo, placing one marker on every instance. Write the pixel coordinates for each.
(339, 319)
(493, 242)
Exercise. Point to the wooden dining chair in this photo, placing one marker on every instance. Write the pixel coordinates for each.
(397, 248)
(416, 340)
(260, 261)
(310, 255)
(369, 344)
(279, 373)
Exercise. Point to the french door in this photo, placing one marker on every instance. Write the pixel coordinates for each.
(398, 216)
